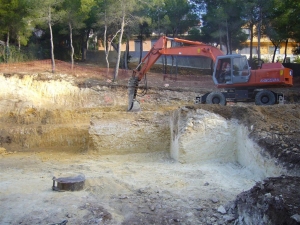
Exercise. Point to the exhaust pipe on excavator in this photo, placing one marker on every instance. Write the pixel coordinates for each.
(133, 104)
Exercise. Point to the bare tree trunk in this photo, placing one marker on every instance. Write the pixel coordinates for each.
(274, 53)
(85, 38)
(220, 38)
(126, 53)
(51, 41)
(172, 57)
(165, 64)
(227, 35)
(141, 51)
(106, 48)
(19, 42)
(114, 45)
(119, 48)
(7, 48)
(82, 48)
(230, 42)
(7, 40)
(251, 41)
(259, 35)
(87, 42)
(286, 44)
(71, 43)
(258, 43)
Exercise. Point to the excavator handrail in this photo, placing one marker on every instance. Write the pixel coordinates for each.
(185, 41)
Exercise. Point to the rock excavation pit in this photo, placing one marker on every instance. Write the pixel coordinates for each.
(171, 163)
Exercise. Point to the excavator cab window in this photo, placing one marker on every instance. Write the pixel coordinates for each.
(223, 70)
(240, 70)
(231, 69)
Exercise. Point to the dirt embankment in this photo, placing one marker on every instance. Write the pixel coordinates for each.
(275, 128)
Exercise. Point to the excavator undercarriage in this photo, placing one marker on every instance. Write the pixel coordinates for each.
(259, 96)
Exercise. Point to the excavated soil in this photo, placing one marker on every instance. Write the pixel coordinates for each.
(172, 163)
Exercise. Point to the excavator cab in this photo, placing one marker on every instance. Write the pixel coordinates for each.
(231, 69)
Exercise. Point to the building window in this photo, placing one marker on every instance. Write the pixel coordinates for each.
(271, 50)
(247, 31)
(246, 50)
(137, 45)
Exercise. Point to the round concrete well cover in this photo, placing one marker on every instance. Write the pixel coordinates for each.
(69, 183)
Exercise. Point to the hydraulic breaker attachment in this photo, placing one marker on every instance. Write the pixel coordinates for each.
(133, 104)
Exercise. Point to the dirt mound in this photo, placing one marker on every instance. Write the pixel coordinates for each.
(273, 201)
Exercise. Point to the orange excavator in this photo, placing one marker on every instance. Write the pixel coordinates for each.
(231, 73)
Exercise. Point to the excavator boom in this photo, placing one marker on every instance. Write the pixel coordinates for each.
(160, 48)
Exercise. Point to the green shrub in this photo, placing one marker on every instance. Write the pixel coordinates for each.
(14, 54)
(297, 59)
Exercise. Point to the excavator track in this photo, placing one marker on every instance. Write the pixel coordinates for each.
(133, 104)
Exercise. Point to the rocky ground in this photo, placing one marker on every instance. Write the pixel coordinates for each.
(47, 124)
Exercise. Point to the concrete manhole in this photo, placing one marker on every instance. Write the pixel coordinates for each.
(70, 183)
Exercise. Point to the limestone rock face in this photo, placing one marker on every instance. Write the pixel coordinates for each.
(199, 135)
(122, 132)
(39, 113)
(40, 91)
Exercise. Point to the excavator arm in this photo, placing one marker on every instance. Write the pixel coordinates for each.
(160, 48)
